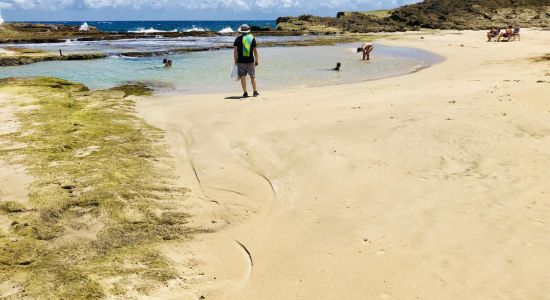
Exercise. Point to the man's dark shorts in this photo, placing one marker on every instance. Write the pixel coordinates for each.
(246, 69)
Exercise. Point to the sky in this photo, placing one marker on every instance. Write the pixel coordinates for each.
(127, 10)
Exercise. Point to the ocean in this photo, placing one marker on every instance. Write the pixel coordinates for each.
(168, 26)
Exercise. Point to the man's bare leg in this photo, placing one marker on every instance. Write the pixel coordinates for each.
(253, 81)
(243, 83)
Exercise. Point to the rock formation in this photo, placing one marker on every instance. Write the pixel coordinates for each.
(435, 14)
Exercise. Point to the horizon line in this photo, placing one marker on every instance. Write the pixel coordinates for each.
(84, 20)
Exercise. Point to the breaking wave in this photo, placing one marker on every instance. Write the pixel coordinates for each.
(226, 30)
(195, 28)
(151, 30)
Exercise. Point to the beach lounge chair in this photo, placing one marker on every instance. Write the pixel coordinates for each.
(493, 34)
(516, 34)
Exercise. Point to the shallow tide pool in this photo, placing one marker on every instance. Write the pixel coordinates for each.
(203, 72)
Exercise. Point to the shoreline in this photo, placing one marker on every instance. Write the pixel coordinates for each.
(172, 93)
(373, 182)
(414, 60)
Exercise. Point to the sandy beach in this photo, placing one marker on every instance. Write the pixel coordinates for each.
(426, 186)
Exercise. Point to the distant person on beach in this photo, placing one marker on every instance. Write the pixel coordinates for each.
(507, 34)
(366, 49)
(493, 33)
(246, 58)
(338, 66)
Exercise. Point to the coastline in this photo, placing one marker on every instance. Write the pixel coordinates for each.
(375, 189)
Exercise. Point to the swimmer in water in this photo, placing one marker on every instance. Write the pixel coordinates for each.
(338, 66)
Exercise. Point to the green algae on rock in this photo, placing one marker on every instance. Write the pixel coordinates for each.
(103, 196)
(134, 89)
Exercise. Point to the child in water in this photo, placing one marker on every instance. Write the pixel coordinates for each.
(167, 63)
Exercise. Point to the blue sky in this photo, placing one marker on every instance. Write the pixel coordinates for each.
(57, 10)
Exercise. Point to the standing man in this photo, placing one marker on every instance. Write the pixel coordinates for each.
(366, 49)
(246, 58)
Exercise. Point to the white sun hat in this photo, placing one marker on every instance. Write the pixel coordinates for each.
(244, 28)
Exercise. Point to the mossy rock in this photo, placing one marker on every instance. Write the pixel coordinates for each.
(12, 207)
(134, 89)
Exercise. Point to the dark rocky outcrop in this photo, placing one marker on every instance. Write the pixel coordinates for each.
(435, 14)
(18, 60)
(474, 14)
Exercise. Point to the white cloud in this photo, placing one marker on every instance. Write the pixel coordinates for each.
(200, 4)
(4, 5)
(38, 4)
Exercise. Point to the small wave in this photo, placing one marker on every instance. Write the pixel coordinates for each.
(84, 27)
(151, 30)
(127, 57)
(195, 29)
(226, 30)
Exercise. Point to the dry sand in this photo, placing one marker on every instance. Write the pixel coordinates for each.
(432, 185)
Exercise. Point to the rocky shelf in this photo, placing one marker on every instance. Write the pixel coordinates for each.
(20, 56)
(432, 14)
(24, 33)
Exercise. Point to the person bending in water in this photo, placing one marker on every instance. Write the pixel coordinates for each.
(338, 65)
(366, 49)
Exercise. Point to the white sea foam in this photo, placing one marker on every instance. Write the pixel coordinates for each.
(84, 27)
(150, 30)
(1, 19)
(194, 29)
(226, 30)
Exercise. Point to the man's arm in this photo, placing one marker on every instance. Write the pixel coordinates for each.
(235, 54)
(256, 56)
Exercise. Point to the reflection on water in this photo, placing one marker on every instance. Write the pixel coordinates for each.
(210, 71)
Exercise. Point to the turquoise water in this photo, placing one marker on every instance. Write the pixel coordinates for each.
(203, 72)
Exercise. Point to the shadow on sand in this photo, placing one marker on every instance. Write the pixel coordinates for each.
(235, 98)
